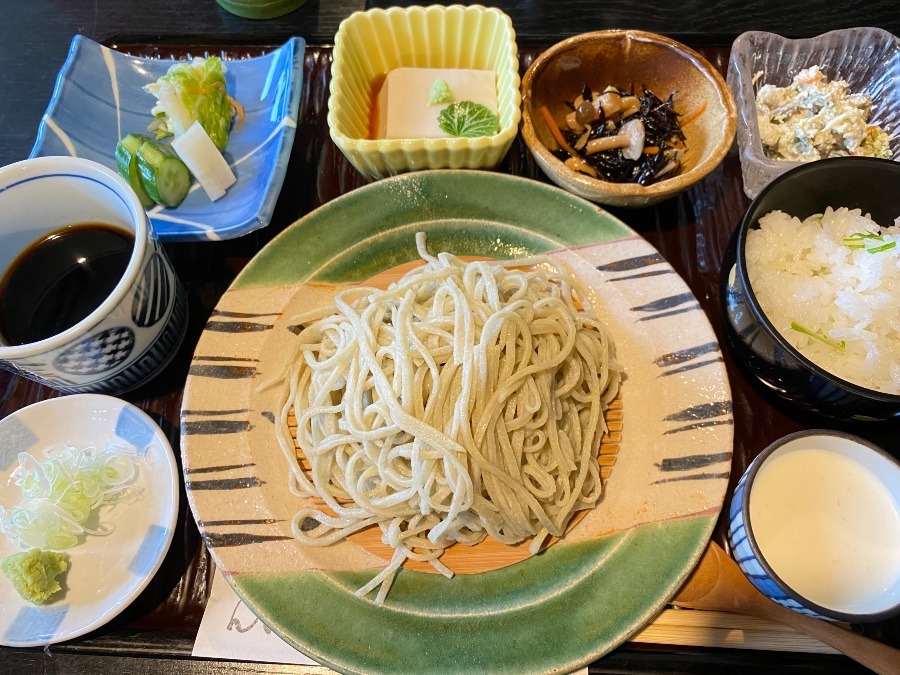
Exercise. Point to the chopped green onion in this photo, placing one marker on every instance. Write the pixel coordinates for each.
(60, 492)
(857, 240)
(818, 335)
(883, 247)
(864, 235)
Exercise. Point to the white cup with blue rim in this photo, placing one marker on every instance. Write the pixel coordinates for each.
(814, 523)
(140, 317)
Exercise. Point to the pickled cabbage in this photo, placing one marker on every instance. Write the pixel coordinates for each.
(193, 91)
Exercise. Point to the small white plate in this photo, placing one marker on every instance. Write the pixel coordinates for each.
(106, 573)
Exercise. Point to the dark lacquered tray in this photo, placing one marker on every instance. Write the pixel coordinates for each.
(692, 231)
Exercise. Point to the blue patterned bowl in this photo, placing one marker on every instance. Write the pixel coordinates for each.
(814, 523)
(136, 330)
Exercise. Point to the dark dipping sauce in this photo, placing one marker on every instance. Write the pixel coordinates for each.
(60, 279)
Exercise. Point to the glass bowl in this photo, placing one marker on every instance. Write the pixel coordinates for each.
(868, 59)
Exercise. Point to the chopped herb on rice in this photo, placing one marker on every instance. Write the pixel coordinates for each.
(830, 284)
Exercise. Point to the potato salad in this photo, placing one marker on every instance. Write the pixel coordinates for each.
(814, 118)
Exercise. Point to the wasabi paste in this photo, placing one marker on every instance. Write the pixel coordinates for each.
(34, 573)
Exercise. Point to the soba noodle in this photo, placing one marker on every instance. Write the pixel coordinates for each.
(465, 400)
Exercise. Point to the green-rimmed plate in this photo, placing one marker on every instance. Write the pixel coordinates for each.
(553, 612)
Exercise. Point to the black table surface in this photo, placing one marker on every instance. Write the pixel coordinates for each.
(156, 633)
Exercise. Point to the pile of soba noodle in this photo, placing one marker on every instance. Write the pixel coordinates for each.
(465, 400)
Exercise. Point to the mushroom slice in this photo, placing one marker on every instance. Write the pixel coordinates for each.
(582, 140)
(586, 113)
(634, 130)
(610, 103)
(668, 168)
(631, 105)
(607, 143)
(573, 123)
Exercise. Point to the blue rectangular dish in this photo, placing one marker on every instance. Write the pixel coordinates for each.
(99, 97)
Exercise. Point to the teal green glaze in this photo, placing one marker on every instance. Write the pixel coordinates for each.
(260, 9)
(551, 613)
(463, 212)
(554, 612)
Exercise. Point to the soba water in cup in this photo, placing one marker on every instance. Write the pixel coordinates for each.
(88, 298)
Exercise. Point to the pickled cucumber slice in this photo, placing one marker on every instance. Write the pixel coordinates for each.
(163, 175)
(127, 165)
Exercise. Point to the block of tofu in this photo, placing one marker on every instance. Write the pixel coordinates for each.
(402, 109)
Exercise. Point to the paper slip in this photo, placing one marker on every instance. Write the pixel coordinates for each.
(229, 630)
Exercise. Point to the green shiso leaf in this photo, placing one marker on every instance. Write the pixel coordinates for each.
(440, 92)
(468, 120)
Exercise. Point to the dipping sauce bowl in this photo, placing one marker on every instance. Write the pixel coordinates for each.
(135, 329)
(815, 525)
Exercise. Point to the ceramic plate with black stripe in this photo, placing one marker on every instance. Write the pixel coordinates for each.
(667, 457)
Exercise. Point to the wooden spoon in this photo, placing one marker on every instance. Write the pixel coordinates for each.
(719, 584)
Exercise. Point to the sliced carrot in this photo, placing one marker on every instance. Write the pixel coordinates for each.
(557, 134)
(694, 114)
(238, 111)
(651, 150)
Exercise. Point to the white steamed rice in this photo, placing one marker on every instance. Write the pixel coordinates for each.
(805, 273)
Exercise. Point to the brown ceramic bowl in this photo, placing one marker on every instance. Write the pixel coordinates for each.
(628, 59)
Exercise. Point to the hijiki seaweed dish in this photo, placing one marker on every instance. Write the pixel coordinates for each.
(621, 137)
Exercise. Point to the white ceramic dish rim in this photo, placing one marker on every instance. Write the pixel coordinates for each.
(170, 475)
